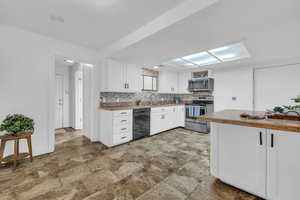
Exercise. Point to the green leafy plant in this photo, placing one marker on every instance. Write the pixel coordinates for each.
(17, 123)
(292, 107)
(278, 109)
(296, 100)
(138, 102)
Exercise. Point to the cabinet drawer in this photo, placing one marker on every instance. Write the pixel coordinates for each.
(161, 109)
(121, 113)
(119, 121)
(121, 138)
(121, 129)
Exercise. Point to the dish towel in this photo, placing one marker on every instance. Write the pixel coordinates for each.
(191, 111)
(197, 111)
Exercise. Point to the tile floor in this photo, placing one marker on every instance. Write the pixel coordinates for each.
(170, 166)
(65, 134)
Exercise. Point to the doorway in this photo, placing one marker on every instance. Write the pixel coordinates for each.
(69, 100)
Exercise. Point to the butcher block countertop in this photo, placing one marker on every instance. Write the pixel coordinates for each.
(233, 117)
(128, 107)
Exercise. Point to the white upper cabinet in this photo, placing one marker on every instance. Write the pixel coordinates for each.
(114, 76)
(183, 82)
(168, 82)
(118, 77)
(133, 78)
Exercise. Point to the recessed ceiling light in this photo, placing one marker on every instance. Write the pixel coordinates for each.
(201, 59)
(69, 61)
(231, 52)
(56, 18)
(156, 67)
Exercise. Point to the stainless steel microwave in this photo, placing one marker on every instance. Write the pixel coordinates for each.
(201, 85)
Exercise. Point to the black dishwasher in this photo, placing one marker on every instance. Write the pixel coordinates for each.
(141, 123)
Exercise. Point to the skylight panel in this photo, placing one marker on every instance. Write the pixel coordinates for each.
(202, 59)
(231, 52)
(181, 63)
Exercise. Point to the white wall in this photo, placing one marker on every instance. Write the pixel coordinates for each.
(65, 72)
(233, 82)
(275, 86)
(27, 79)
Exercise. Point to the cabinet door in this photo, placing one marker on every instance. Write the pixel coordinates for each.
(157, 123)
(283, 165)
(173, 82)
(173, 118)
(183, 79)
(242, 157)
(168, 82)
(181, 116)
(115, 76)
(133, 78)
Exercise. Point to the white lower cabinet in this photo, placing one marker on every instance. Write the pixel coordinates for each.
(242, 157)
(256, 160)
(165, 118)
(158, 120)
(283, 165)
(115, 127)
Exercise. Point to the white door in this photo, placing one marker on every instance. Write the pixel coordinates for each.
(59, 101)
(283, 165)
(78, 100)
(242, 157)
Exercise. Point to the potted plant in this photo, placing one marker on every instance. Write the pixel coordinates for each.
(138, 102)
(17, 124)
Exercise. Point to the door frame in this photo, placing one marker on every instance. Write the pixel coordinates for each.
(62, 117)
(78, 95)
(90, 112)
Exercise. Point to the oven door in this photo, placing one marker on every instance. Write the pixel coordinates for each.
(194, 111)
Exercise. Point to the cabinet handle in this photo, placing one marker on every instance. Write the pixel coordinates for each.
(124, 121)
(260, 138)
(123, 129)
(123, 113)
(123, 137)
(272, 140)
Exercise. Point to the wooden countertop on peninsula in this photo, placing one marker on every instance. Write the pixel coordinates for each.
(233, 117)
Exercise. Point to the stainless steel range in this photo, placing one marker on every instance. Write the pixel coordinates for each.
(200, 106)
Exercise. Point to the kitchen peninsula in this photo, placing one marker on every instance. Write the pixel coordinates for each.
(259, 156)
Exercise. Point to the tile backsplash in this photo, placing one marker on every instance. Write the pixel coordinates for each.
(110, 97)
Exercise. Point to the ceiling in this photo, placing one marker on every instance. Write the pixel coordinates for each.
(269, 29)
(91, 23)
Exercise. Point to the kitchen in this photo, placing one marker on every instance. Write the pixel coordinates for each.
(181, 99)
(168, 99)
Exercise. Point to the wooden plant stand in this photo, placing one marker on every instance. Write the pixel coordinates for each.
(17, 155)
